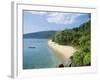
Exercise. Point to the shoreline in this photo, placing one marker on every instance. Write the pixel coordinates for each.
(62, 50)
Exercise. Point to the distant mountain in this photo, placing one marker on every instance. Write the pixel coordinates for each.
(38, 35)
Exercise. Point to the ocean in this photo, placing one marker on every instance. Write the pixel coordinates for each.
(37, 54)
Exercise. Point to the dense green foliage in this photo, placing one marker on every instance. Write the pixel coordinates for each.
(80, 38)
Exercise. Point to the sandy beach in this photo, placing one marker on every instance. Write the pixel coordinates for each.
(64, 51)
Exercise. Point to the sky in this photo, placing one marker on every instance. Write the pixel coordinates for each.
(36, 21)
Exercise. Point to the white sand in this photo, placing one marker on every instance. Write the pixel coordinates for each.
(65, 51)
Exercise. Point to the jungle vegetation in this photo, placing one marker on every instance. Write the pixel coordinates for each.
(80, 38)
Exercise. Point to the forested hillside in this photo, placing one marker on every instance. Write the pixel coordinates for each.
(80, 38)
(40, 35)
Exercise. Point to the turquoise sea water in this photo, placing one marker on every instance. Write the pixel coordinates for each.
(41, 56)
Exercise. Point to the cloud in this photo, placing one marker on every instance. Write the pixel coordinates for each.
(63, 18)
(37, 12)
(57, 17)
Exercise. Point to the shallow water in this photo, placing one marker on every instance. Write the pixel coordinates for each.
(37, 54)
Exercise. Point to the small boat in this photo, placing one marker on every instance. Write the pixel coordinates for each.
(32, 47)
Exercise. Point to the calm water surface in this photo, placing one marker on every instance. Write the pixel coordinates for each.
(41, 56)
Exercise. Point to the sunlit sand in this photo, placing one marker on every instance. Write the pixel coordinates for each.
(63, 50)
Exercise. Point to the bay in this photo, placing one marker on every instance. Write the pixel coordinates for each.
(37, 54)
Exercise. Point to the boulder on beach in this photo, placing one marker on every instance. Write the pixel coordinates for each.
(68, 62)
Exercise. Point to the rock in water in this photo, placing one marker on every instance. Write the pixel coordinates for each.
(61, 65)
